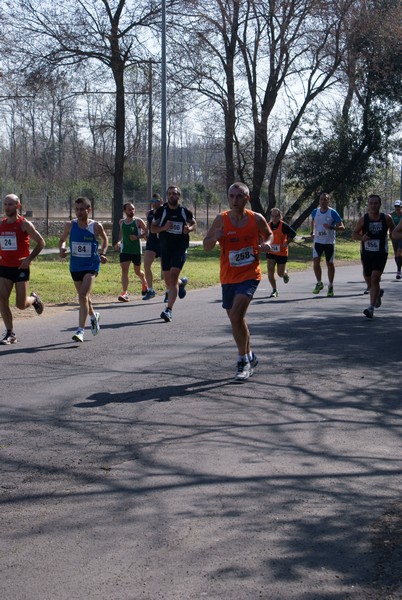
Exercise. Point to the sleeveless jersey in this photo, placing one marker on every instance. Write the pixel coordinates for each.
(179, 216)
(14, 243)
(280, 238)
(378, 232)
(83, 248)
(130, 246)
(239, 250)
(396, 218)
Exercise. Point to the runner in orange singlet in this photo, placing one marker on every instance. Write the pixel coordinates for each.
(241, 234)
(15, 259)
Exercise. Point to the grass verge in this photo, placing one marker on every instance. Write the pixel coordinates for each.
(50, 276)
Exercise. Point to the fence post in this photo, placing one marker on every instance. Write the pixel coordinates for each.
(70, 203)
(47, 214)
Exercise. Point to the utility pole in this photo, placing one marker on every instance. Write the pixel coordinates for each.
(163, 112)
(150, 127)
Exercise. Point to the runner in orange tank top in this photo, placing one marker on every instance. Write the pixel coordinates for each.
(278, 255)
(15, 259)
(241, 234)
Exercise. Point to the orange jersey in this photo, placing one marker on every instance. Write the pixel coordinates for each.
(280, 238)
(14, 243)
(239, 250)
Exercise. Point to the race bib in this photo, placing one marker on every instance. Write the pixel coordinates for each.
(275, 248)
(81, 250)
(240, 258)
(372, 245)
(177, 227)
(322, 233)
(8, 242)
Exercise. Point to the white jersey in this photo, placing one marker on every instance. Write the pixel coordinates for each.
(330, 217)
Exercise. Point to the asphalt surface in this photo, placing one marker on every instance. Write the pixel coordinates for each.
(134, 468)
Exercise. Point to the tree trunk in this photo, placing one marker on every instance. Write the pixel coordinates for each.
(120, 119)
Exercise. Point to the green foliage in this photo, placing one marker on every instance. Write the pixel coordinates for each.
(341, 159)
(135, 179)
(200, 194)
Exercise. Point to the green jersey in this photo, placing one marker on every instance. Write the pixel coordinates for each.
(130, 246)
(396, 218)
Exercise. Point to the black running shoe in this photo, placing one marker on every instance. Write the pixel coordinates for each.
(9, 338)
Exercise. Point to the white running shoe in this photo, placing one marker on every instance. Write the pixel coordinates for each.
(78, 336)
(95, 327)
(166, 315)
(244, 371)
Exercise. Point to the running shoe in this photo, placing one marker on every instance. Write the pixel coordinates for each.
(398, 275)
(254, 361)
(378, 303)
(286, 278)
(366, 291)
(95, 327)
(182, 287)
(166, 298)
(369, 312)
(144, 290)
(166, 315)
(150, 294)
(9, 338)
(330, 293)
(38, 304)
(244, 370)
(123, 298)
(274, 294)
(78, 336)
(318, 287)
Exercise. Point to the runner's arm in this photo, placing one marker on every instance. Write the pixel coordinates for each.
(214, 234)
(397, 232)
(358, 232)
(118, 243)
(144, 227)
(34, 234)
(63, 238)
(100, 232)
(265, 232)
(190, 226)
(155, 228)
(390, 223)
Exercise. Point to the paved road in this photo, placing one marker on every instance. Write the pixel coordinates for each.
(133, 468)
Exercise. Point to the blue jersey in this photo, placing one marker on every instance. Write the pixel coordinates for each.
(83, 248)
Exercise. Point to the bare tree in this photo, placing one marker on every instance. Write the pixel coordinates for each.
(264, 62)
(91, 32)
(204, 50)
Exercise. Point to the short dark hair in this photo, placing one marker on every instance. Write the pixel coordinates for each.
(375, 196)
(84, 200)
(127, 204)
(173, 187)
